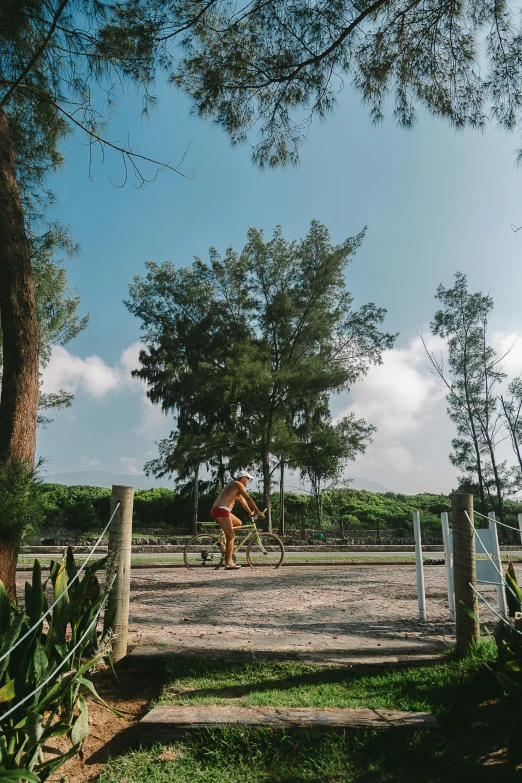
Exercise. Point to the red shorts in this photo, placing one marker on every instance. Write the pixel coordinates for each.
(217, 511)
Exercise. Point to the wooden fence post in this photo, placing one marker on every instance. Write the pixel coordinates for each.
(464, 572)
(119, 567)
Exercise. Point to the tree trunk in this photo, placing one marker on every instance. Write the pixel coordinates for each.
(267, 490)
(9, 550)
(319, 508)
(513, 432)
(282, 499)
(221, 471)
(474, 437)
(195, 507)
(21, 340)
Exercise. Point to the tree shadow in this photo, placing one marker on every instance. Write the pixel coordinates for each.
(449, 696)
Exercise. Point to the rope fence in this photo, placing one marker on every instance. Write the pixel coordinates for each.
(509, 527)
(57, 600)
(494, 611)
(495, 566)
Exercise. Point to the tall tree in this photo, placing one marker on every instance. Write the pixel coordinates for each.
(54, 61)
(472, 382)
(259, 333)
(59, 322)
(325, 450)
(512, 412)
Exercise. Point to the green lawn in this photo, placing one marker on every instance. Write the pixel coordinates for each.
(293, 684)
(453, 691)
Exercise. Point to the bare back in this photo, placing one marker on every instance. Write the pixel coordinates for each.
(230, 494)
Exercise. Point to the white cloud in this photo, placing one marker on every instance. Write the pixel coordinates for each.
(69, 372)
(509, 345)
(398, 394)
(99, 380)
(131, 464)
(404, 401)
(91, 462)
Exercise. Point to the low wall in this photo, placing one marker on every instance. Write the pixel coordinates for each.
(58, 550)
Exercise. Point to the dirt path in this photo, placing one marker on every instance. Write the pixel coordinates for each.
(347, 608)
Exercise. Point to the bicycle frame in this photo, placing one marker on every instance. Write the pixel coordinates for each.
(254, 534)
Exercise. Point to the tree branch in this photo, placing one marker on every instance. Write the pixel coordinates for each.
(36, 56)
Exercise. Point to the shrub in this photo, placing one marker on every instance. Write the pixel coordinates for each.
(42, 679)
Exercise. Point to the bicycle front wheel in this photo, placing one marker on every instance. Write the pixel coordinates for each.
(203, 551)
(267, 552)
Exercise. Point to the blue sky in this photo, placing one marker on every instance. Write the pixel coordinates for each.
(434, 202)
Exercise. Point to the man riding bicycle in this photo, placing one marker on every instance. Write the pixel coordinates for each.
(221, 511)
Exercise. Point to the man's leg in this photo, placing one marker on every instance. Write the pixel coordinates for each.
(228, 525)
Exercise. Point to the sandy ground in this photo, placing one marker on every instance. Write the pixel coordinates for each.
(352, 608)
(344, 608)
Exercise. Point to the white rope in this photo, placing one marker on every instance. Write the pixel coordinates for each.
(44, 683)
(506, 622)
(509, 527)
(499, 572)
(75, 577)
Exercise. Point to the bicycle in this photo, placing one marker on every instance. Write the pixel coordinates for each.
(207, 550)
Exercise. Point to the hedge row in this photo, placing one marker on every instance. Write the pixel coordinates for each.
(87, 508)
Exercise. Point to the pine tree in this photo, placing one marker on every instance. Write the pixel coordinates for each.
(247, 341)
(472, 382)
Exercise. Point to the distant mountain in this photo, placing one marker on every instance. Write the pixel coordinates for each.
(102, 478)
(369, 486)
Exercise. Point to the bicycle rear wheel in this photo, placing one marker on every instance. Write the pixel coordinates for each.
(203, 551)
(268, 553)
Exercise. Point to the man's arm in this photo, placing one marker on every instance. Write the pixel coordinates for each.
(244, 504)
(243, 494)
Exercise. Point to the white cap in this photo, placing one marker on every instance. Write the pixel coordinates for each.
(243, 474)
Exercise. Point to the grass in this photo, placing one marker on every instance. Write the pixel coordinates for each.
(263, 756)
(237, 756)
(295, 684)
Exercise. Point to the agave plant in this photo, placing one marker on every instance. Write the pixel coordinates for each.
(508, 666)
(42, 678)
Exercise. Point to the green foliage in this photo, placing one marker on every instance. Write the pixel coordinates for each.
(243, 350)
(323, 452)
(77, 507)
(282, 66)
(57, 709)
(263, 65)
(21, 507)
(508, 665)
(87, 508)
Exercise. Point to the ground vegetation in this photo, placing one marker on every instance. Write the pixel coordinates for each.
(347, 511)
